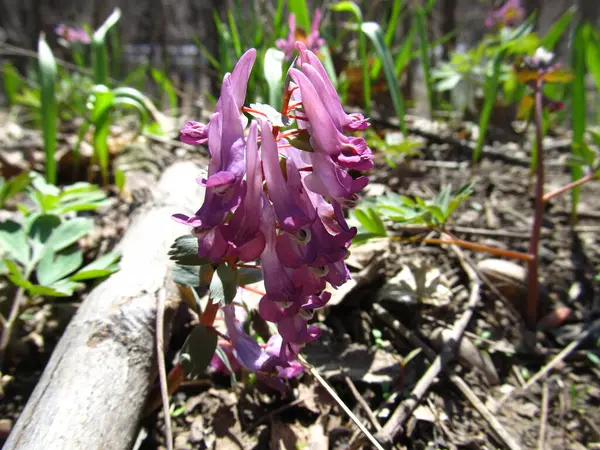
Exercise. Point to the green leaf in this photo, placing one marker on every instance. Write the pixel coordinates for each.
(101, 267)
(235, 35)
(224, 284)
(120, 179)
(371, 221)
(579, 102)
(100, 64)
(198, 351)
(248, 275)
(15, 275)
(184, 251)
(300, 9)
(13, 242)
(351, 7)
(186, 275)
(13, 186)
(557, 29)
(47, 66)
(55, 266)
(41, 226)
(390, 31)
(166, 85)
(62, 288)
(491, 92)
(593, 58)
(405, 54)
(12, 82)
(273, 72)
(347, 6)
(373, 31)
(69, 232)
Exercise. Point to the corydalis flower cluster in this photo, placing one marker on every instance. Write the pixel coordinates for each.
(313, 41)
(72, 35)
(267, 200)
(510, 13)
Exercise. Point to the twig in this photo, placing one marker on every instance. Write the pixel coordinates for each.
(569, 186)
(551, 365)
(396, 422)
(482, 248)
(544, 417)
(162, 371)
(493, 233)
(9, 324)
(339, 401)
(270, 414)
(487, 415)
(397, 326)
(361, 401)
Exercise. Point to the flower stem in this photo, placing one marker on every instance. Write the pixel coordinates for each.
(511, 254)
(533, 283)
(566, 187)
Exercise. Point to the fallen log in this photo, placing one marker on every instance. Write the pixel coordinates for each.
(93, 390)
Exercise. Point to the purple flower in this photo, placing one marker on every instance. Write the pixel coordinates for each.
(291, 319)
(290, 201)
(313, 40)
(72, 35)
(225, 171)
(294, 224)
(350, 153)
(323, 85)
(194, 133)
(508, 14)
(242, 231)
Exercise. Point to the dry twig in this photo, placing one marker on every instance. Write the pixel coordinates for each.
(314, 372)
(362, 402)
(397, 326)
(9, 324)
(396, 422)
(162, 371)
(544, 371)
(544, 417)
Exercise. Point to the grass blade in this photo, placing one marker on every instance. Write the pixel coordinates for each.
(47, 65)
(235, 35)
(166, 85)
(300, 9)
(390, 33)
(553, 35)
(99, 48)
(580, 41)
(404, 56)
(278, 20)
(12, 82)
(491, 89)
(424, 47)
(373, 31)
(351, 7)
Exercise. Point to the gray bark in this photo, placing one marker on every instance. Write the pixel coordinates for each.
(94, 388)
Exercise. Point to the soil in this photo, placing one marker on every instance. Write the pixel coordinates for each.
(367, 362)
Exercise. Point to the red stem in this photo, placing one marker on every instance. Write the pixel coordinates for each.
(569, 186)
(533, 283)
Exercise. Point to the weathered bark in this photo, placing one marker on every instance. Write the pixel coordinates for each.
(93, 390)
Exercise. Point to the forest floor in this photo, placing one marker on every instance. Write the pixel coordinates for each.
(381, 333)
